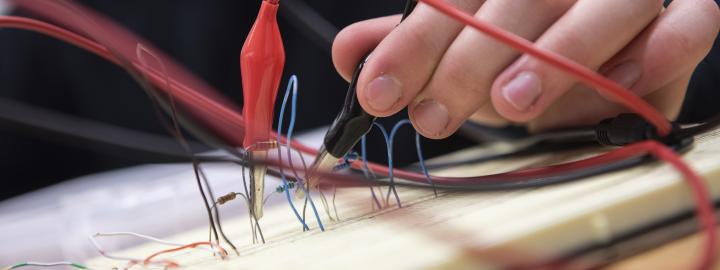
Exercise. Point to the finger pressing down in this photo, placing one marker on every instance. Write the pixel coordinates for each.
(657, 66)
(668, 49)
(403, 62)
(590, 33)
(460, 85)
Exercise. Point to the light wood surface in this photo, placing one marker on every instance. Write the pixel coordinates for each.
(459, 230)
(679, 254)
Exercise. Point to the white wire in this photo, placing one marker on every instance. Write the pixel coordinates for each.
(142, 236)
(108, 255)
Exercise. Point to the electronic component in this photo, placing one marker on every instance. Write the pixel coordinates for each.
(262, 60)
(213, 110)
(350, 124)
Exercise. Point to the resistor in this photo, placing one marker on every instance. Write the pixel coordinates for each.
(226, 198)
(347, 161)
(281, 188)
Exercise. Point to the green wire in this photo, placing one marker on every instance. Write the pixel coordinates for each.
(19, 265)
(24, 264)
(79, 266)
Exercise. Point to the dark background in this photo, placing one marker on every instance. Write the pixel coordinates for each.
(206, 37)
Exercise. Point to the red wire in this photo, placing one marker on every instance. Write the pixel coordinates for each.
(57, 32)
(231, 119)
(703, 204)
(219, 114)
(600, 83)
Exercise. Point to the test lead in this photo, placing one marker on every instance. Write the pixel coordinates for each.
(350, 124)
(261, 61)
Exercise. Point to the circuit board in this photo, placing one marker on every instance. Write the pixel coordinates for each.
(458, 230)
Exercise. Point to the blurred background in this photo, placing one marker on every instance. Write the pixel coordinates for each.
(206, 37)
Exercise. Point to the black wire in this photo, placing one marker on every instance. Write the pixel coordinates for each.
(316, 28)
(534, 149)
(502, 184)
(541, 143)
(697, 129)
(89, 134)
(216, 209)
(205, 200)
(551, 141)
(167, 102)
(499, 185)
(409, 7)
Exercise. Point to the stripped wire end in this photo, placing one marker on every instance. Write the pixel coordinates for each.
(171, 264)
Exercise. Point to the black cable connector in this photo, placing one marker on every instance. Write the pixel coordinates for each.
(350, 124)
(631, 128)
(353, 121)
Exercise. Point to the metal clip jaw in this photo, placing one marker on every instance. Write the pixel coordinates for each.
(258, 154)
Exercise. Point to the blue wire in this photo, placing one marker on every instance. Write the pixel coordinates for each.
(421, 159)
(291, 127)
(292, 85)
(363, 152)
(366, 170)
(388, 143)
(292, 82)
(393, 132)
(347, 161)
(389, 140)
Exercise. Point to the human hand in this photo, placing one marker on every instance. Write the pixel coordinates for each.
(446, 73)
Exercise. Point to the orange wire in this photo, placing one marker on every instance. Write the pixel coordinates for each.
(148, 260)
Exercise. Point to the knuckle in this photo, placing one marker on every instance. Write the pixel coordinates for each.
(457, 83)
(571, 43)
(420, 38)
(459, 76)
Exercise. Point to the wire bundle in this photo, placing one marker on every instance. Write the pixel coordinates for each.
(227, 122)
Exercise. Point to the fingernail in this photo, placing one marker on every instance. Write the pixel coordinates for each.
(523, 90)
(383, 92)
(626, 74)
(431, 117)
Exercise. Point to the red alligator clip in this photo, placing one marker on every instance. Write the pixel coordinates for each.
(261, 61)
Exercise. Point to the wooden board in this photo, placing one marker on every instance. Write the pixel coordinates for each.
(459, 230)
